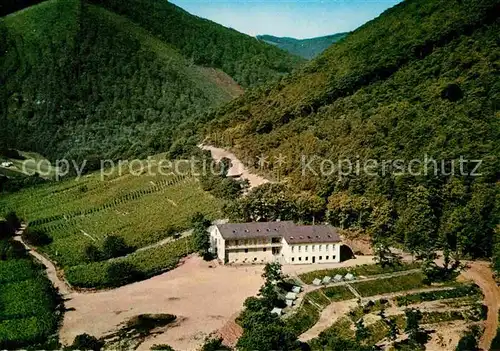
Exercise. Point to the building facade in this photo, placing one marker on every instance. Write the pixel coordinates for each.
(285, 242)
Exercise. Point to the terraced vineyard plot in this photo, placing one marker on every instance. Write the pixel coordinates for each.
(146, 263)
(143, 209)
(390, 285)
(460, 291)
(27, 305)
(364, 270)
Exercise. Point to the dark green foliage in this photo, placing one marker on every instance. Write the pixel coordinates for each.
(469, 341)
(414, 93)
(6, 231)
(274, 201)
(495, 344)
(201, 237)
(332, 342)
(29, 303)
(263, 330)
(96, 86)
(361, 331)
(214, 344)
(36, 237)
(13, 220)
(121, 273)
(461, 291)
(306, 48)
(416, 335)
(92, 253)
(164, 347)
(113, 246)
(11, 250)
(86, 342)
(249, 61)
(496, 251)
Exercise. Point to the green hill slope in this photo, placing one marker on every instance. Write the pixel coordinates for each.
(422, 79)
(306, 48)
(78, 81)
(249, 61)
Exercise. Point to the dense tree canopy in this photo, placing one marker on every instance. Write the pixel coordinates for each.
(419, 102)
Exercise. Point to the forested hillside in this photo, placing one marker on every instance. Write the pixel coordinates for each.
(306, 48)
(422, 79)
(81, 82)
(249, 61)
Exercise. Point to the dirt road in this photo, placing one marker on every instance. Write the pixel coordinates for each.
(50, 268)
(237, 168)
(203, 296)
(481, 274)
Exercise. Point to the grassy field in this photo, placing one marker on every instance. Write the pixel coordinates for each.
(145, 264)
(458, 292)
(390, 285)
(360, 270)
(27, 305)
(136, 205)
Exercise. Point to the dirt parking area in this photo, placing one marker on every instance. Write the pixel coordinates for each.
(203, 295)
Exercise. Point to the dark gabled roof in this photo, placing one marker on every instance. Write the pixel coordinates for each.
(254, 229)
(293, 233)
(303, 234)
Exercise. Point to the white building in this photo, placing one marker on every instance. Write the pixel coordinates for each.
(285, 242)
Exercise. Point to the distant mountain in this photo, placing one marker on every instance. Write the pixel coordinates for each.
(306, 48)
(249, 61)
(108, 80)
(420, 85)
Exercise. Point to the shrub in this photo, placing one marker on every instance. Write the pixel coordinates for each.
(121, 273)
(92, 253)
(164, 347)
(87, 342)
(11, 250)
(115, 246)
(6, 230)
(36, 237)
(13, 220)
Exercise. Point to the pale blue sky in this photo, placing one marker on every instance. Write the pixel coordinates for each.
(292, 18)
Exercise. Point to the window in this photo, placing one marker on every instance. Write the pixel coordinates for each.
(320, 258)
(300, 258)
(246, 250)
(265, 249)
(313, 248)
(293, 259)
(300, 248)
(307, 258)
(236, 242)
(320, 247)
(305, 248)
(292, 248)
(333, 257)
(327, 257)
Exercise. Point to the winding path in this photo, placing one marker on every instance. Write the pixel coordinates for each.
(481, 274)
(238, 169)
(50, 268)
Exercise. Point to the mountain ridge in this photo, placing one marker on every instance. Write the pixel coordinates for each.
(66, 95)
(307, 48)
(417, 81)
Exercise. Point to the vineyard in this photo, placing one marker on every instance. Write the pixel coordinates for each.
(131, 203)
(27, 305)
